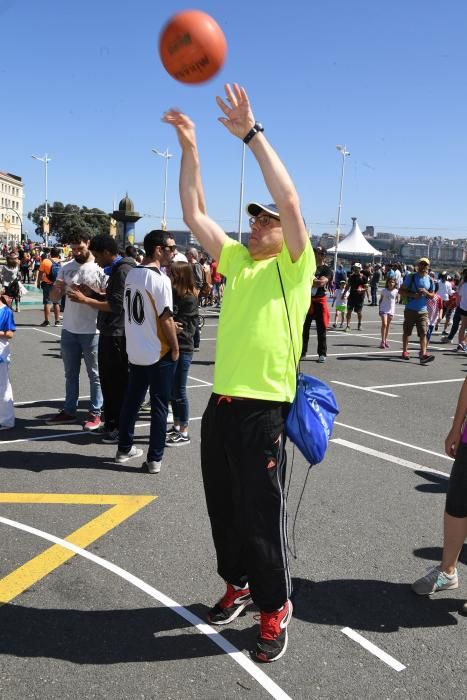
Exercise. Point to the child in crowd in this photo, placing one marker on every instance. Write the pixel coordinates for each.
(340, 300)
(7, 328)
(435, 307)
(9, 278)
(185, 307)
(387, 309)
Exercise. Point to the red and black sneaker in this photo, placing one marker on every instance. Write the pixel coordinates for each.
(271, 643)
(230, 606)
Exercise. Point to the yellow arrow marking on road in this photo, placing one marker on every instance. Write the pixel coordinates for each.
(43, 564)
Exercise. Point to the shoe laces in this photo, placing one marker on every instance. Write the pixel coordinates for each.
(269, 623)
(430, 573)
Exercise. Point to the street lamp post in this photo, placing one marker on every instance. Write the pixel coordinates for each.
(344, 153)
(20, 220)
(165, 155)
(45, 159)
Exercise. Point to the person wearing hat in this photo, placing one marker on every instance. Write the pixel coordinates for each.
(417, 288)
(319, 309)
(258, 346)
(356, 287)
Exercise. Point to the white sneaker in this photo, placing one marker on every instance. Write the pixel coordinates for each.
(122, 457)
(151, 467)
(435, 580)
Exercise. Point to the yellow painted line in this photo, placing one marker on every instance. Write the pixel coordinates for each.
(35, 569)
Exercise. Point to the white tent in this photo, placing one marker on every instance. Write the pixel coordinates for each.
(354, 243)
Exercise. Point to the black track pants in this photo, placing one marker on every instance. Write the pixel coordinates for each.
(113, 375)
(243, 462)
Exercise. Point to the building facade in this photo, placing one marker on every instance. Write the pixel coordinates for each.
(11, 208)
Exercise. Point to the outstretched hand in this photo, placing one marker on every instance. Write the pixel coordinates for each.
(183, 125)
(239, 117)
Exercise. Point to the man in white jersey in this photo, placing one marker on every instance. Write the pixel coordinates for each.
(152, 347)
(79, 335)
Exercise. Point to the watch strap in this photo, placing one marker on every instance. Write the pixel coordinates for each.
(253, 131)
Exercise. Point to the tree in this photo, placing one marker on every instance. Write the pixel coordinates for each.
(63, 218)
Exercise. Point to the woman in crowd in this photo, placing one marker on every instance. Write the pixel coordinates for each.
(185, 305)
(444, 576)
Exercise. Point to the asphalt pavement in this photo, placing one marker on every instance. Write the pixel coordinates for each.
(121, 613)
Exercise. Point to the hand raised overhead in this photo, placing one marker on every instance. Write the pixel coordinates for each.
(183, 125)
(239, 117)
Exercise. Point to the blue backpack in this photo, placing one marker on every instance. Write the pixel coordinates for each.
(54, 270)
(311, 417)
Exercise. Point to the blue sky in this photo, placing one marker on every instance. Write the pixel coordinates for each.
(83, 82)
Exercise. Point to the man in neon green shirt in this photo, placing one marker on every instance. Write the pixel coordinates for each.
(242, 433)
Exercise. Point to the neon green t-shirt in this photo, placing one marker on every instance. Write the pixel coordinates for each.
(254, 355)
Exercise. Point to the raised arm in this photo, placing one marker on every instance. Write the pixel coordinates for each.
(209, 234)
(239, 120)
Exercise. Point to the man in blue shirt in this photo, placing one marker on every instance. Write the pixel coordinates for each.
(417, 287)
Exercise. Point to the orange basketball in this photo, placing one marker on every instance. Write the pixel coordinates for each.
(192, 47)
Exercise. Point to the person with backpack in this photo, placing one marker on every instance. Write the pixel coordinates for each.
(47, 275)
(417, 288)
(243, 456)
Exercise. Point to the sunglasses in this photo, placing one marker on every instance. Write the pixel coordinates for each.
(170, 247)
(262, 220)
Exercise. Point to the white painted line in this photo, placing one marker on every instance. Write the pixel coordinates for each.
(251, 668)
(39, 330)
(397, 442)
(434, 381)
(371, 389)
(207, 338)
(373, 649)
(77, 433)
(31, 403)
(369, 352)
(388, 458)
(201, 381)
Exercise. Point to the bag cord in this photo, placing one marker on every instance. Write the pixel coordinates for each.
(293, 552)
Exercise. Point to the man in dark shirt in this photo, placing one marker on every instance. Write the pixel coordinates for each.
(112, 356)
(319, 310)
(357, 285)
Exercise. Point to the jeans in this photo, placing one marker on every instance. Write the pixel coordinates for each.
(159, 378)
(73, 347)
(374, 295)
(179, 395)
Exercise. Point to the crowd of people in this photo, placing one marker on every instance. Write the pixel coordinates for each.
(430, 301)
(133, 319)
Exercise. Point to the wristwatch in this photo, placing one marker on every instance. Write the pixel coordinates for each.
(255, 130)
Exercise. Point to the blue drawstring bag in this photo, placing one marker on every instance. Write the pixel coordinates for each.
(311, 417)
(313, 411)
